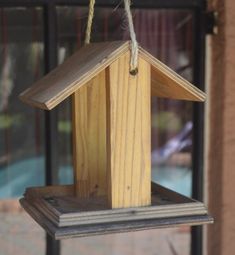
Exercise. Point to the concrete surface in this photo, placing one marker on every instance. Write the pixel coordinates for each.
(20, 235)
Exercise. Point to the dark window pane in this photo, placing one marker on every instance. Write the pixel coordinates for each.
(21, 127)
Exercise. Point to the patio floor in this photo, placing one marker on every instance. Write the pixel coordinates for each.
(20, 235)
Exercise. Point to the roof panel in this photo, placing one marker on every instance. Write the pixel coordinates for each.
(92, 59)
(168, 84)
(73, 74)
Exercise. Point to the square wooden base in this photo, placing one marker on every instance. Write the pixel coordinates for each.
(63, 215)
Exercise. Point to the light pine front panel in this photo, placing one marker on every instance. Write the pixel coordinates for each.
(89, 138)
(128, 142)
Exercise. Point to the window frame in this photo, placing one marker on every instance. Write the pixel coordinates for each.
(198, 7)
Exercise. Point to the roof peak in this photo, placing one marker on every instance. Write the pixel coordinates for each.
(89, 61)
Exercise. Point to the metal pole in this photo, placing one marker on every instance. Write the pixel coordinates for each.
(198, 122)
(51, 132)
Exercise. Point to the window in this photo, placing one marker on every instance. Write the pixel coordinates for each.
(21, 128)
(27, 34)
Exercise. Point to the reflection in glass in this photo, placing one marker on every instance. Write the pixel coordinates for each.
(21, 127)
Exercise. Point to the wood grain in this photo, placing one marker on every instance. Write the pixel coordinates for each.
(94, 58)
(74, 73)
(89, 138)
(219, 161)
(168, 84)
(68, 210)
(60, 233)
(128, 125)
(170, 209)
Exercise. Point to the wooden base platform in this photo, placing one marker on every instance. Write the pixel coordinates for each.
(63, 215)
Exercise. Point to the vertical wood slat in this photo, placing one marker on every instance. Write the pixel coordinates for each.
(89, 138)
(128, 143)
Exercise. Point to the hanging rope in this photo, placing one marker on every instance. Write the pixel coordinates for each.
(89, 22)
(134, 44)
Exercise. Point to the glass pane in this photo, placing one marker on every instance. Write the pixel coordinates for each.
(21, 127)
(151, 242)
(167, 34)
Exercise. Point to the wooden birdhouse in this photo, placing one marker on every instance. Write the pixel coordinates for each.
(111, 145)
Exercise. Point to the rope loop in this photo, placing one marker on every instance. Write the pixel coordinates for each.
(134, 44)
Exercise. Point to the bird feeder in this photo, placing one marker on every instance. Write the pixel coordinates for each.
(111, 127)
